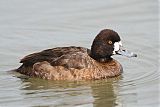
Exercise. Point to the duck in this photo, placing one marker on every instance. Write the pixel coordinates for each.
(78, 63)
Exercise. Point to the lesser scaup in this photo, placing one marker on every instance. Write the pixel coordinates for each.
(77, 63)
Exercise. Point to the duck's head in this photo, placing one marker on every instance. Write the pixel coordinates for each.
(106, 44)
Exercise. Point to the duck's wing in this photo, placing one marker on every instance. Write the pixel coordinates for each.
(77, 60)
(50, 55)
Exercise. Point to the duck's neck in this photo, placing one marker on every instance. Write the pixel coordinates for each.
(99, 58)
(103, 59)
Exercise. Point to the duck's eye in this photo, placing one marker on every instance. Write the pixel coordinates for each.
(110, 42)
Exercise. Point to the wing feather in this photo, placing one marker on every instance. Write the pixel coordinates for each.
(50, 55)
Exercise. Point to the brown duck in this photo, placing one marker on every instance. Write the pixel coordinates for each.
(78, 63)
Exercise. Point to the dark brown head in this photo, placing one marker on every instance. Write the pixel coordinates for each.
(106, 44)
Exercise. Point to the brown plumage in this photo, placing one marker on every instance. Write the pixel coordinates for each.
(75, 63)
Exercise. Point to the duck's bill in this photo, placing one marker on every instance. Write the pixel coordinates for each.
(126, 53)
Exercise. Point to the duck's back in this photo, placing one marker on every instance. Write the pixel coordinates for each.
(67, 63)
(51, 54)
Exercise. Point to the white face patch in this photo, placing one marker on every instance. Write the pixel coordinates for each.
(117, 46)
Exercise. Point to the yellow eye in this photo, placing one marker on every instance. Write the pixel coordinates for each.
(110, 42)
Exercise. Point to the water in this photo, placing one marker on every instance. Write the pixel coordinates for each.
(28, 26)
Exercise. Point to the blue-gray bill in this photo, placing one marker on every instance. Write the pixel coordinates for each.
(126, 53)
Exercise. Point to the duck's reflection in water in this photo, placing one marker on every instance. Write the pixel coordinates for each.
(104, 92)
(98, 93)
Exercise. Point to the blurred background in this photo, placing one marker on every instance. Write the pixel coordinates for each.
(28, 26)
